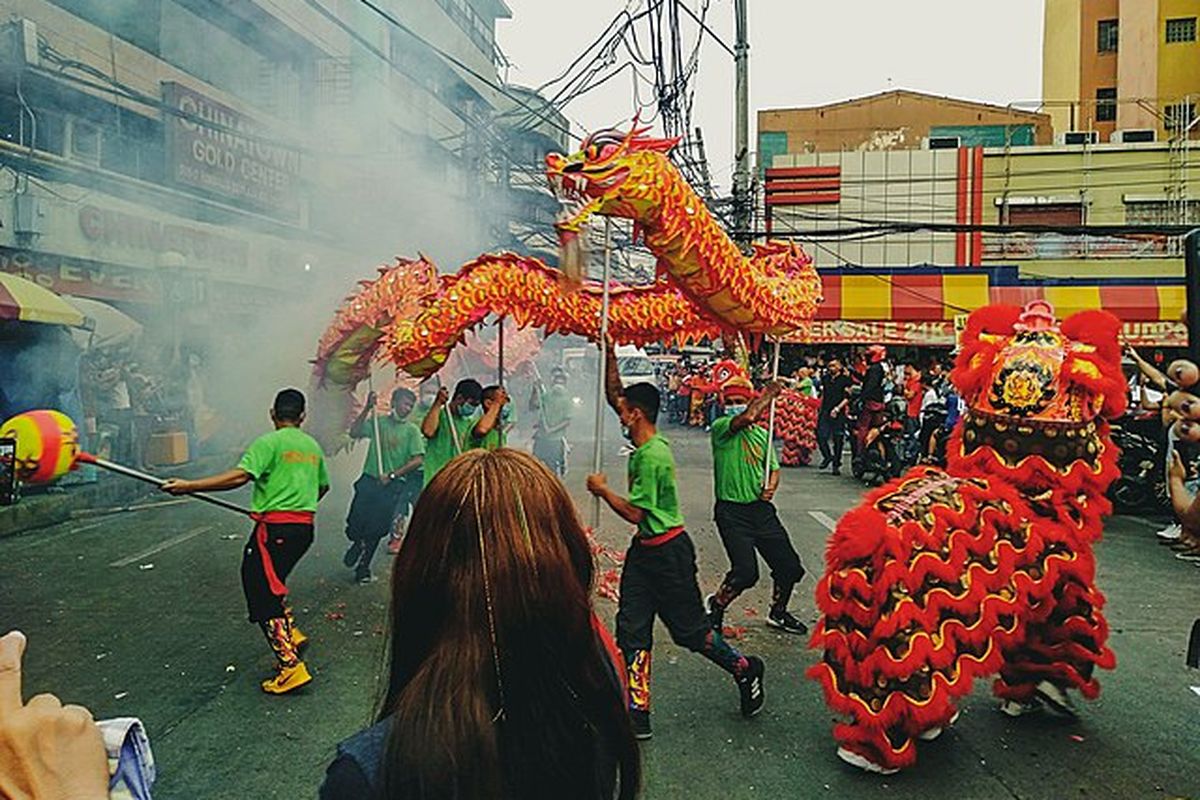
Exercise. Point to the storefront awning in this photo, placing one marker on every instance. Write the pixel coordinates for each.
(24, 300)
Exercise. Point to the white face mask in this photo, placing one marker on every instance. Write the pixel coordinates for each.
(734, 411)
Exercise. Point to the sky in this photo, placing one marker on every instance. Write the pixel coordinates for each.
(802, 52)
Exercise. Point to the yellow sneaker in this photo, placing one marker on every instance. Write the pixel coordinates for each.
(287, 679)
(299, 638)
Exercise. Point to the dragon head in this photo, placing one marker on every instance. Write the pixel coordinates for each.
(731, 382)
(1039, 389)
(612, 174)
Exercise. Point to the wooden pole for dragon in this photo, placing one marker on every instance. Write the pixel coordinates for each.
(771, 423)
(129, 472)
(500, 355)
(601, 402)
(375, 420)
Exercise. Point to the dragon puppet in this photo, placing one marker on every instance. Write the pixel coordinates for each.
(984, 567)
(704, 285)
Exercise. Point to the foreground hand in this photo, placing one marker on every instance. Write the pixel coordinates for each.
(597, 484)
(443, 396)
(773, 389)
(177, 486)
(767, 494)
(48, 751)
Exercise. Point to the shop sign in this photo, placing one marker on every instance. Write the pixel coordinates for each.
(83, 278)
(945, 333)
(234, 158)
(119, 229)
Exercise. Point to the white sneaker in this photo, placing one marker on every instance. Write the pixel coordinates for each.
(1056, 698)
(1015, 708)
(933, 733)
(864, 763)
(1171, 533)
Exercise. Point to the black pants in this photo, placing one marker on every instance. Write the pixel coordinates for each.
(750, 529)
(661, 581)
(373, 508)
(831, 438)
(283, 546)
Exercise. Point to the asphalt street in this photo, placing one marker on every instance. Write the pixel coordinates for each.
(141, 614)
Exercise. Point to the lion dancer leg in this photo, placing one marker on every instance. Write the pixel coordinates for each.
(1065, 642)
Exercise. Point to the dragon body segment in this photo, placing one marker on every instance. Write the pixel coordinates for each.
(984, 568)
(705, 286)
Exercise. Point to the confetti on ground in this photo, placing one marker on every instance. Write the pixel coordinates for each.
(1075, 737)
(751, 611)
(334, 615)
(733, 631)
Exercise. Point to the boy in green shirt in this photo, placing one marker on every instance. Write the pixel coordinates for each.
(659, 576)
(289, 475)
(491, 432)
(449, 424)
(380, 493)
(746, 518)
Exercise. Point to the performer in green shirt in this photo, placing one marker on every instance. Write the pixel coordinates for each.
(491, 432)
(449, 424)
(746, 518)
(289, 475)
(380, 495)
(659, 577)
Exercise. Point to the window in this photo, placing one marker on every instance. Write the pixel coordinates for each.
(1043, 214)
(1181, 29)
(1106, 105)
(1106, 35)
(1178, 116)
(1162, 212)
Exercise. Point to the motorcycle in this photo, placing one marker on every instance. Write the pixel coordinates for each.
(1141, 487)
(879, 461)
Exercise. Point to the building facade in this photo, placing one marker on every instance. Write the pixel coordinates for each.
(1122, 65)
(895, 120)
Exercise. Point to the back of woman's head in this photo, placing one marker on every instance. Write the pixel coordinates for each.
(498, 686)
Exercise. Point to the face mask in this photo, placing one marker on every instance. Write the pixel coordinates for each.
(627, 433)
(466, 410)
(505, 414)
(733, 411)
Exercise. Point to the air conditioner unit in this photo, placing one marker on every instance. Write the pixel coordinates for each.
(1078, 137)
(1134, 136)
(943, 143)
(21, 43)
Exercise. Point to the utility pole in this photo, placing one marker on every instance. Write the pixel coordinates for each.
(741, 176)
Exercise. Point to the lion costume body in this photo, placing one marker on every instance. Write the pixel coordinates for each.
(984, 567)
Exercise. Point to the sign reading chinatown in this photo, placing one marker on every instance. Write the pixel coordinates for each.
(233, 157)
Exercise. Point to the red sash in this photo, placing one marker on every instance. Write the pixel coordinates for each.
(660, 539)
(261, 520)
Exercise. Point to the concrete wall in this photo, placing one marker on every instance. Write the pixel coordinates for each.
(1060, 61)
(887, 121)
(1138, 63)
(1096, 70)
(1179, 62)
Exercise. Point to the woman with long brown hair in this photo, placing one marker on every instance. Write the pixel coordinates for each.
(499, 684)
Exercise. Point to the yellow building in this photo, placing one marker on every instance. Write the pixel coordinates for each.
(1122, 65)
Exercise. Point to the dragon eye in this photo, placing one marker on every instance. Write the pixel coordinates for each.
(592, 152)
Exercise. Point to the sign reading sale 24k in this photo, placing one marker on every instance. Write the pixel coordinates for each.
(231, 156)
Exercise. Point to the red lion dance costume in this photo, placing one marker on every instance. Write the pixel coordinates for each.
(985, 567)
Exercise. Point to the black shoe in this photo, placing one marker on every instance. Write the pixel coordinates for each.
(641, 724)
(784, 621)
(351, 557)
(837, 471)
(716, 614)
(363, 575)
(825, 463)
(750, 684)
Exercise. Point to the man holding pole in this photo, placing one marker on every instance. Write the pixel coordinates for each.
(449, 424)
(659, 577)
(391, 477)
(746, 518)
(289, 475)
(553, 407)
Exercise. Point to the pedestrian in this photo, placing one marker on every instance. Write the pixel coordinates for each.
(491, 431)
(502, 682)
(289, 475)
(747, 521)
(391, 478)
(831, 417)
(914, 395)
(554, 408)
(448, 425)
(659, 577)
(871, 417)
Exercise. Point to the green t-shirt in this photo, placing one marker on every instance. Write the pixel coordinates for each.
(441, 448)
(288, 468)
(738, 461)
(497, 436)
(402, 440)
(652, 487)
(556, 408)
